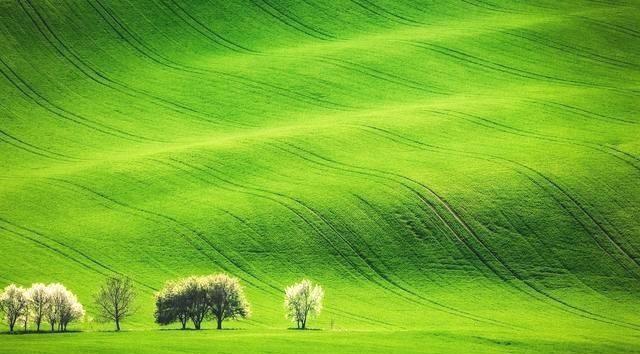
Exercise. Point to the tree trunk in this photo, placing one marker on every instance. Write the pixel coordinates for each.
(117, 325)
(219, 323)
(184, 324)
(52, 326)
(11, 327)
(38, 326)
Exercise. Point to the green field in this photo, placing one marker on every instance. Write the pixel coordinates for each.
(460, 176)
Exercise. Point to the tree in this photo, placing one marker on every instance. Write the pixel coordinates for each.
(38, 301)
(172, 304)
(226, 298)
(63, 307)
(197, 298)
(303, 300)
(115, 299)
(13, 302)
(72, 311)
(195, 295)
(51, 311)
(24, 318)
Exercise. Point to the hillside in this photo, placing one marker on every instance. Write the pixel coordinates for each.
(459, 174)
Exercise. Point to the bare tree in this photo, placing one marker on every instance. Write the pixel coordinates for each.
(115, 299)
(13, 302)
(226, 298)
(302, 300)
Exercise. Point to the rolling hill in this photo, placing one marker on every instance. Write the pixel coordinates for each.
(460, 176)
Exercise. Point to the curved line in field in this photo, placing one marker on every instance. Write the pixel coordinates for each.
(168, 220)
(561, 304)
(493, 66)
(489, 7)
(574, 49)
(238, 188)
(612, 26)
(64, 254)
(30, 148)
(146, 51)
(386, 14)
(247, 225)
(278, 290)
(590, 314)
(432, 208)
(583, 112)
(100, 78)
(377, 74)
(487, 123)
(27, 90)
(257, 191)
(553, 184)
(560, 140)
(288, 21)
(381, 175)
(205, 30)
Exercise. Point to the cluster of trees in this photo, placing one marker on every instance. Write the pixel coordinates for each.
(220, 297)
(195, 299)
(58, 306)
(40, 303)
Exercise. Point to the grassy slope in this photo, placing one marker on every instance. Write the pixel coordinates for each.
(461, 169)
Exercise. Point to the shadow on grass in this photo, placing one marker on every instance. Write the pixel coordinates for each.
(201, 329)
(31, 332)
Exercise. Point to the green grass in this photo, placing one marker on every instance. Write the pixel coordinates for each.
(460, 176)
(271, 341)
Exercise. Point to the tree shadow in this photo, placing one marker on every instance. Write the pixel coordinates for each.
(202, 329)
(32, 332)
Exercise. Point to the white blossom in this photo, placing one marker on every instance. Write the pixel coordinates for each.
(303, 300)
(13, 303)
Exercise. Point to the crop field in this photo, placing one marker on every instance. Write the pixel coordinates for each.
(460, 176)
